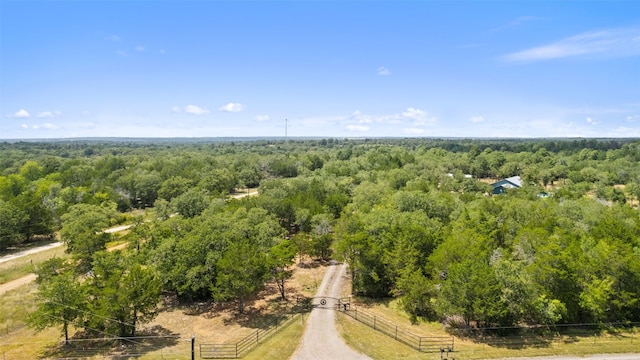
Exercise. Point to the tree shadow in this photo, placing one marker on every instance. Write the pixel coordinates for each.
(87, 344)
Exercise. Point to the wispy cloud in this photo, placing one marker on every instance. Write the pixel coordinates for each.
(633, 118)
(114, 38)
(591, 121)
(477, 119)
(262, 118)
(383, 71)
(121, 53)
(412, 120)
(617, 42)
(46, 126)
(175, 109)
(49, 114)
(50, 126)
(20, 114)
(195, 110)
(232, 107)
(140, 48)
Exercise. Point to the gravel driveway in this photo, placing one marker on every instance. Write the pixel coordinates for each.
(321, 339)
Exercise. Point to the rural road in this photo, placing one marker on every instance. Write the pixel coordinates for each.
(321, 340)
(27, 279)
(29, 252)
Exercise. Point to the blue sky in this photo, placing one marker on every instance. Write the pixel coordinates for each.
(332, 69)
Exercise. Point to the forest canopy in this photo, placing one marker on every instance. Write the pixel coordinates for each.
(413, 218)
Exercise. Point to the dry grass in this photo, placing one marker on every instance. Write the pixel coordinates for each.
(379, 346)
(22, 266)
(209, 322)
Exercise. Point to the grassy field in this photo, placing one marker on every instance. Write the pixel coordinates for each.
(20, 267)
(379, 346)
(208, 322)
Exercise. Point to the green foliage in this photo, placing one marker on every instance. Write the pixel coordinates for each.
(401, 212)
(241, 272)
(61, 301)
(82, 232)
(11, 221)
(123, 293)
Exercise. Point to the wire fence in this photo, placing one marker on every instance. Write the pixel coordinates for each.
(420, 343)
(241, 347)
(605, 334)
(149, 347)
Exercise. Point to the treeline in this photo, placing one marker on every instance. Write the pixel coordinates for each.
(405, 215)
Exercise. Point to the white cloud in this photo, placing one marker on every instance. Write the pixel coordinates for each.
(175, 109)
(195, 110)
(21, 114)
(477, 119)
(140, 48)
(383, 71)
(360, 118)
(419, 117)
(591, 121)
(115, 38)
(232, 107)
(261, 118)
(616, 42)
(414, 114)
(49, 126)
(633, 118)
(122, 53)
(24, 126)
(49, 114)
(359, 128)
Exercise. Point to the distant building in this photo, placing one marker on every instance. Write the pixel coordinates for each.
(501, 186)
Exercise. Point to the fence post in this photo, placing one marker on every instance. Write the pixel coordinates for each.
(257, 337)
(356, 310)
(193, 347)
(396, 332)
(374, 322)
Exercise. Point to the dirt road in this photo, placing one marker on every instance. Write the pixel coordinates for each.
(27, 279)
(29, 252)
(321, 339)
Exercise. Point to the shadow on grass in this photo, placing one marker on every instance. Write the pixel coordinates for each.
(28, 245)
(522, 338)
(86, 344)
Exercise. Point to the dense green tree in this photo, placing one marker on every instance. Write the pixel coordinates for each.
(279, 261)
(83, 231)
(122, 292)
(241, 272)
(12, 220)
(61, 302)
